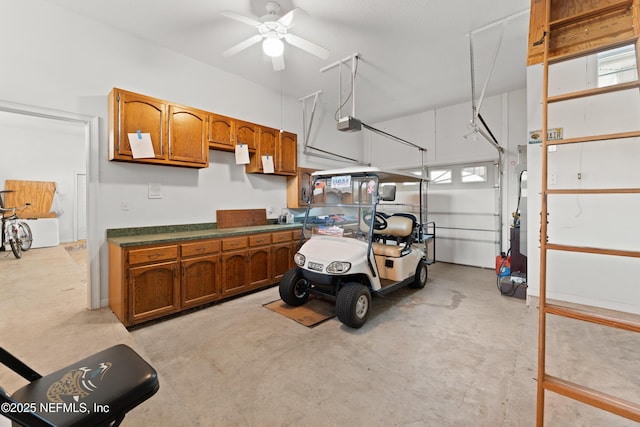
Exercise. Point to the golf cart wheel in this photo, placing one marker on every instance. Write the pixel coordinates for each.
(294, 288)
(353, 304)
(420, 280)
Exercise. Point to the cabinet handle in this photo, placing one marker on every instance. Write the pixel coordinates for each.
(153, 256)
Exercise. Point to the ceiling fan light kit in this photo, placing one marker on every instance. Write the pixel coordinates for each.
(273, 46)
(272, 29)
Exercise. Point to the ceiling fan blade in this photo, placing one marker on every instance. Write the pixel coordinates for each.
(288, 19)
(310, 47)
(278, 63)
(240, 18)
(242, 45)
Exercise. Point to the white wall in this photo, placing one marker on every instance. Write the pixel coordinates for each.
(58, 60)
(441, 131)
(606, 221)
(39, 149)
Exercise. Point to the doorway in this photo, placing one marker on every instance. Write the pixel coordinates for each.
(29, 158)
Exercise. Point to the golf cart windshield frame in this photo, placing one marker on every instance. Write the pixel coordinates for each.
(339, 204)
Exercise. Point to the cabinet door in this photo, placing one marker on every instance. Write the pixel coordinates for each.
(200, 282)
(235, 276)
(282, 256)
(246, 133)
(287, 153)
(299, 188)
(135, 113)
(267, 142)
(259, 267)
(221, 133)
(187, 136)
(153, 291)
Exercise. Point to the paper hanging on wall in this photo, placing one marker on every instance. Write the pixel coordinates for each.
(267, 164)
(242, 154)
(141, 145)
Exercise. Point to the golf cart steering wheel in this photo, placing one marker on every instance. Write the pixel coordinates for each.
(379, 221)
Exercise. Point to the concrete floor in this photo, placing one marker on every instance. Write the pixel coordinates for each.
(455, 353)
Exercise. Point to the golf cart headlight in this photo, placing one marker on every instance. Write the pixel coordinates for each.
(299, 259)
(338, 267)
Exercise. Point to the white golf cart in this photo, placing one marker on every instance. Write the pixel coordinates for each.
(358, 240)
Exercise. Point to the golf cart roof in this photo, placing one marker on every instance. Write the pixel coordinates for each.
(383, 175)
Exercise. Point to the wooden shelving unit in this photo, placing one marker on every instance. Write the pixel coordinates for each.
(561, 30)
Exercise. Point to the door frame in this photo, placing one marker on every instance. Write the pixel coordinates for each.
(77, 207)
(91, 139)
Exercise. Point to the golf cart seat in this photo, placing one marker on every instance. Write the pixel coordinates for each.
(96, 391)
(399, 228)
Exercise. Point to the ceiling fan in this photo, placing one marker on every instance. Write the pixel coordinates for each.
(272, 29)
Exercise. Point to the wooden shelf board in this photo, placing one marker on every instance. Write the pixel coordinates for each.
(595, 12)
(591, 250)
(596, 138)
(591, 315)
(592, 92)
(613, 404)
(593, 191)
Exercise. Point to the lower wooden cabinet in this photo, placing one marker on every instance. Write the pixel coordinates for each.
(282, 255)
(154, 291)
(151, 281)
(235, 279)
(200, 281)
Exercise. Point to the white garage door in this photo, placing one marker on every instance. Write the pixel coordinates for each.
(463, 202)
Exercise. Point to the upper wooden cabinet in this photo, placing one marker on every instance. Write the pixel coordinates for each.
(287, 153)
(225, 132)
(221, 132)
(182, 136)
(282, 146)
(178, 134)
(130, 112)
(187, 136)
(247, 133)
(299, 188)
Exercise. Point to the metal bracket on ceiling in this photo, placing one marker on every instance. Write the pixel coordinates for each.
(353, 58)
(307, 122)
(476, 105)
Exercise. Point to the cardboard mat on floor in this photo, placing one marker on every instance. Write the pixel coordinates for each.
(312, 313)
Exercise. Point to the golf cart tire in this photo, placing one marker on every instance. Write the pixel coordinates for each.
(422, 274)
(353, 305)
(293, 288)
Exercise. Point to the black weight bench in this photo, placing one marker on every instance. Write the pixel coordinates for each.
(96, 391)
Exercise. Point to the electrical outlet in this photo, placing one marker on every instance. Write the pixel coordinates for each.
(553, 178)
(124, 205)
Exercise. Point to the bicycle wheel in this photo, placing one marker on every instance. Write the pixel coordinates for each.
(24, 233)
(16, 246)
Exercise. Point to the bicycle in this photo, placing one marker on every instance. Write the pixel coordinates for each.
(15, 232)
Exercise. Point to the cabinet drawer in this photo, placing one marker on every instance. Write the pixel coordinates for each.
(234, 243)
(283, 236)
(161, 253)
(200, 248)
(260, 239)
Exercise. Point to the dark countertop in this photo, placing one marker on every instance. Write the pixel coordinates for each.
(176, 235)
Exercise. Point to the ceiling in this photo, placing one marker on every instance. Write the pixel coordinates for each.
(415, 54)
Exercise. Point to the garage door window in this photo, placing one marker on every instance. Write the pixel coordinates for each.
(474, 174)
(440, 176)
